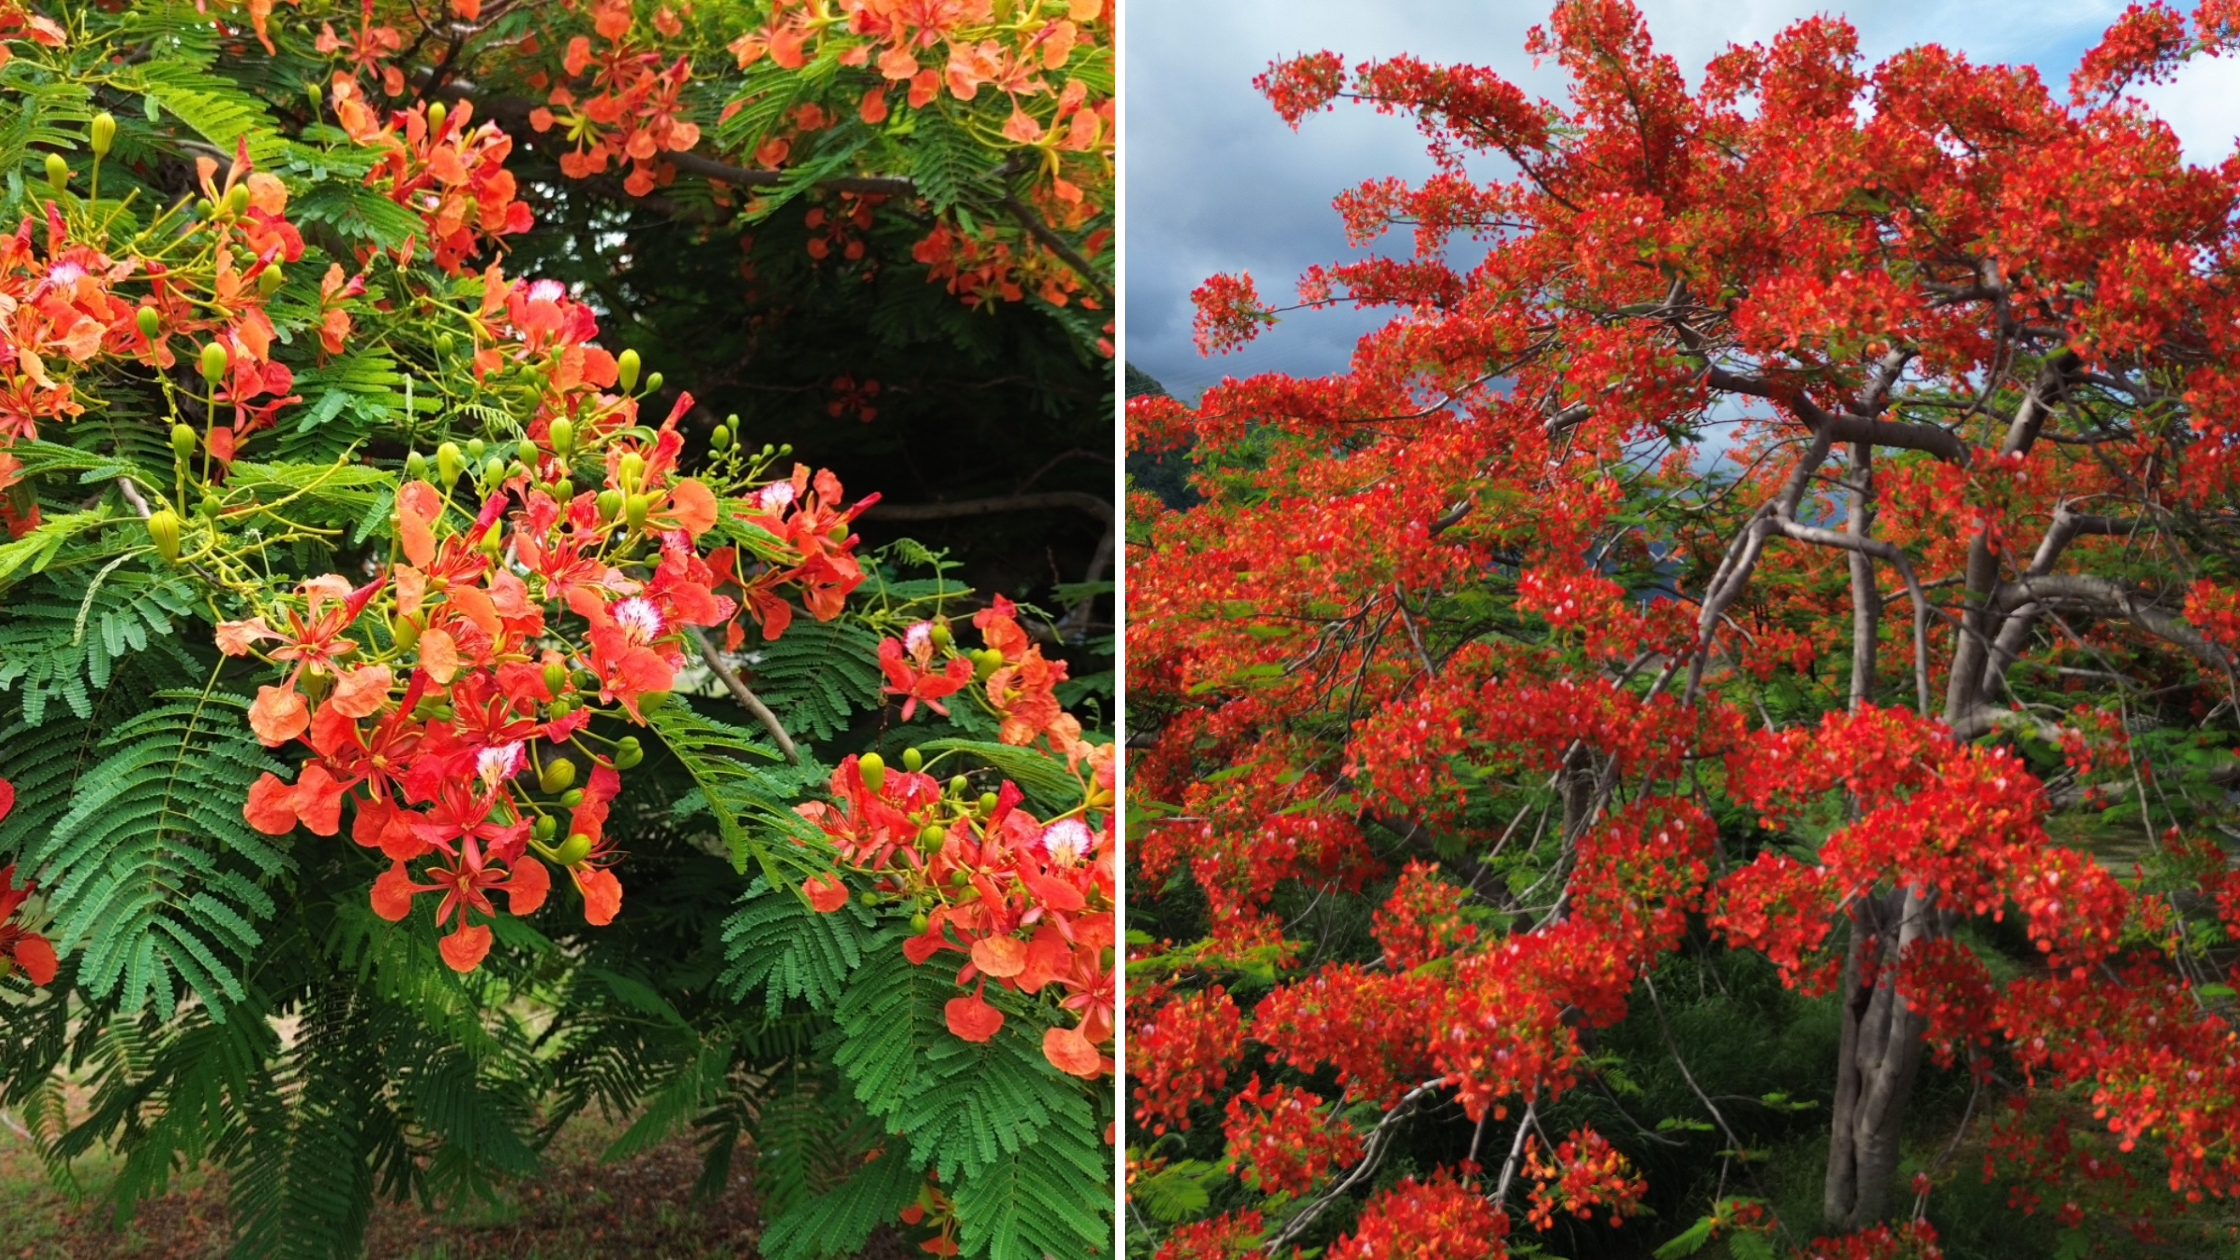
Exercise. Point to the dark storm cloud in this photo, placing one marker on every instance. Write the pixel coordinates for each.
(1215, 182)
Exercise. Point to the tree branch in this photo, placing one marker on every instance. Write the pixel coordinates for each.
(745, 695)
(1077, 499)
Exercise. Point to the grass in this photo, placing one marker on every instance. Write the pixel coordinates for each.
(580, 1207)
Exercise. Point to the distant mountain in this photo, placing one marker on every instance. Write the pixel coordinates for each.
(1166, 474)
(1140, 382)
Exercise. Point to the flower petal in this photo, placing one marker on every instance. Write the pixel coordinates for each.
(1069, 1051)
(392, 893)
(278, 715)
(464, 949)
(526, 888)
(972, 1019)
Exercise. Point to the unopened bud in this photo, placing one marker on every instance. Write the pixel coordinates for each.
(150, 322)
(269, 280)
(448, 462)
(163, 530)
(58, 173)
(104, 133)
(182, 440)
(576, 848)
(874, 768)
(563, 434)
(436, 114)
(215, 360)
(626, 367)
(558, 776)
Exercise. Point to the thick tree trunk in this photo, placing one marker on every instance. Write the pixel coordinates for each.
(1879, 1057)
(1880, 1051)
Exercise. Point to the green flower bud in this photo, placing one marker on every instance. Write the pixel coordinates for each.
(444, 344)
(237, 199)
(163, 529)
(576, 848)
(610, 504)
(564, 706)
(918, 922)
(494, 468)
(635, 509)
(985, 661)
(406, 634)
(318, 95)
(931, 839)
(941, 636)
(913, 760)
(270, 279)
(563, 438)
(571, 798)
(447, 464)
(628, 758)
(987, 803)
(416, 466)
(586, 680)
(720, 440)
(436, 114)
(545, 828)
(650, 702)
(555, 677)
(959, 785)
(215, 360)
(653, 383)
(626, 367)
(475, 448)
(562, 491)
(558, 776)
(958, 879)
(629, 468)
(493, 542)
(150, 322)
(868, 897)
(210, 507)
(58, 173)
(182, 440)
(104, 133)
(526, 451)
(874, 768)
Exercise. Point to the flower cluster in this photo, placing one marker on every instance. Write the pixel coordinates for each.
(1284, 1138)
(1436, 1218)
(1027, 901)
(451, 699)
(1584, 1174)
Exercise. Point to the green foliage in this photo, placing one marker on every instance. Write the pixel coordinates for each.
(229, 998)
(778, 943)
(817, 676)
(152, 865)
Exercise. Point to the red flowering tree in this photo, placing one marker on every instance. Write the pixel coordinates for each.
(1797, 528)
(388, 655)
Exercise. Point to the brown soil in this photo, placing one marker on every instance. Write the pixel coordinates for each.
(636, 1207)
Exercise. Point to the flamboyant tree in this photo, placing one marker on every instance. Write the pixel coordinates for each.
(1781, 519)
(421, 724)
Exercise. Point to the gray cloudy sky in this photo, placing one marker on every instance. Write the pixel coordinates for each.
(1214, 182)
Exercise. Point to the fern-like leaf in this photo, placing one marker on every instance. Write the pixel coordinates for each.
(780, 944)
(153, 874)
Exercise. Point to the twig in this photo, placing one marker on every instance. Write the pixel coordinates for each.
(1379, 1138)
(745, 695)
(1079, 500)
